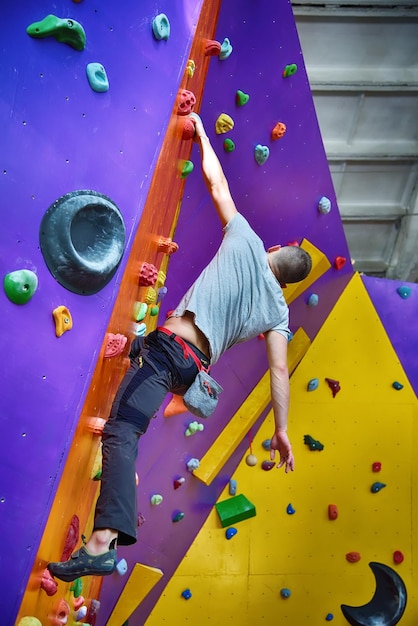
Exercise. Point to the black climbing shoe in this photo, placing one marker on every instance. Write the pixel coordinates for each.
(82, 563)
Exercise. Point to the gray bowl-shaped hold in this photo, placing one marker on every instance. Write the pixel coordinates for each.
(82, 239)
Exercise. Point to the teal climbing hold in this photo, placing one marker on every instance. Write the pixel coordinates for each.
(20, 285)
(226, 49)
(97, 77)
(63, 30)
(397, 386)
(313, 384)
(261, 154)
(404, 292)
(161, 27)
(312, 443)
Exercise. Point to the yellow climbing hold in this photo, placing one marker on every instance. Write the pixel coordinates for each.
(224, 123)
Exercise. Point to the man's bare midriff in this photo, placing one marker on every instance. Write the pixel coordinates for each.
(185, 328)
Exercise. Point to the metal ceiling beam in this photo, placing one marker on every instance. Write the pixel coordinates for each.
(371, 151)
(355, 8)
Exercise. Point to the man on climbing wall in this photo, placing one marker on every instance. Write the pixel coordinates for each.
(208, 321)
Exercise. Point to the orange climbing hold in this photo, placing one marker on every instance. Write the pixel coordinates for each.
(175, 406)
(278, 131)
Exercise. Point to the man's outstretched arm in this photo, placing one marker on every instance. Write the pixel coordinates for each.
(279, 381)
(213, 175)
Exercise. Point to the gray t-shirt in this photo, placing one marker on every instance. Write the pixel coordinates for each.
(237, 296)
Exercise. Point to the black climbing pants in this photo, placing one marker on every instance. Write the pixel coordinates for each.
(158, 365)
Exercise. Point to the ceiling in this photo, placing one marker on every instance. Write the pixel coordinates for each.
(362, 63)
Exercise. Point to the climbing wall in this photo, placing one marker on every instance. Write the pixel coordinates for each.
(59, 136)
(290, 563)
(128, 144)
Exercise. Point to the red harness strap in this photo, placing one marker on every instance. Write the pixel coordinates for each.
(187, 351)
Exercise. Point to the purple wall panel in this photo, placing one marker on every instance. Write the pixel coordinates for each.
(399, 317)
(280, 200)
(57, 136)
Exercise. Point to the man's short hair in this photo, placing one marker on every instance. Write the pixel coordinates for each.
(293, 264)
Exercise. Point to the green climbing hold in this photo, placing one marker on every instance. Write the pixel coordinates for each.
(20, 285)
(241, 98)
(97, 77)
(187, 169)
(229, 145)
(77, 587)
(289, 70)
(63, 30)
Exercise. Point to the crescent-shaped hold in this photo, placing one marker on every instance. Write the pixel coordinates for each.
(388, 603)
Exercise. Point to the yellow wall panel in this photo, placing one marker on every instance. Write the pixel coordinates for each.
(239, 580)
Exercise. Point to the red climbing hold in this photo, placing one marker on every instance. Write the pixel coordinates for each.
(334, 385)
(339, 262)
(332, 511)
(353, 557)
(212, 48)
(398, 557)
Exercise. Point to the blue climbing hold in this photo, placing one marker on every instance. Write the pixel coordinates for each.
(329, 617)
(376, 487)
(232, 487)
(266, 444)
(290, 510)
(187, 594)
(285, 593)
(230, 532)
(313, 299)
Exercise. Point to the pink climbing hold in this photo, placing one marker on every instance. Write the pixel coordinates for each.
(377, 466)
(48, 583)
(186, 102)
(115, 344)
(148, 275)
(71, 539)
